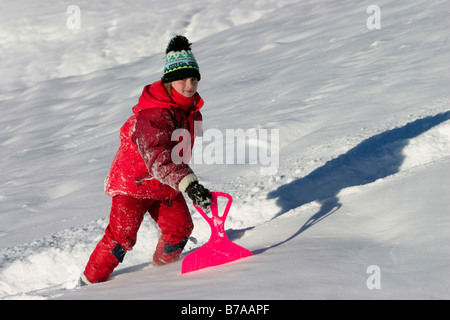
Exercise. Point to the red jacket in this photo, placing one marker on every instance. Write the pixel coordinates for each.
(143, 166)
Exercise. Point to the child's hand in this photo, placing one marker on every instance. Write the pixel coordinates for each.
(199, 195)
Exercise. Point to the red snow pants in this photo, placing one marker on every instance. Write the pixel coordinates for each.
(127, 213)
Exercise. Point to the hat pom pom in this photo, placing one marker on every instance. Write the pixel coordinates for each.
(178, 43)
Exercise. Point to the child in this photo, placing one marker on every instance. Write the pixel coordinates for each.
(144, 177)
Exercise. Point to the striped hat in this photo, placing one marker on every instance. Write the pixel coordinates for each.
(180, 61)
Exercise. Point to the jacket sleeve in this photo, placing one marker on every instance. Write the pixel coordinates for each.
(153, 138)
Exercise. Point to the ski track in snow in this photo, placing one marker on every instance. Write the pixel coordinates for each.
(347, 126)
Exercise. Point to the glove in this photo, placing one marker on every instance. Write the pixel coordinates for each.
(199, 195)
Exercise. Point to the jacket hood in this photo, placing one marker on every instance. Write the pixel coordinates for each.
(155, 96)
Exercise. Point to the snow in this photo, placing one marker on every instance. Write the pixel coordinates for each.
(363, 118)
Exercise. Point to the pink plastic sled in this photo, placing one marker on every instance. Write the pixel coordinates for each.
(219, 249)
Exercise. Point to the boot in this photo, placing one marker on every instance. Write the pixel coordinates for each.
(167, 253)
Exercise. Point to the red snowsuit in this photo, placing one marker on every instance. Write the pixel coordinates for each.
(144, 178)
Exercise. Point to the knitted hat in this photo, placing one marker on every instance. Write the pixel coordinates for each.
(180, 61)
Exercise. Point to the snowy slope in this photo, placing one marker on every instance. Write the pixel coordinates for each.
(364, 134)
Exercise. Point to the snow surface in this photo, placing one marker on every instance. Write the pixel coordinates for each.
(364, 134)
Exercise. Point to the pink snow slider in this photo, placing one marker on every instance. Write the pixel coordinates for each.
(219, 249)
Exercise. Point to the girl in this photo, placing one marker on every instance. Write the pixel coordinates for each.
(144, 176)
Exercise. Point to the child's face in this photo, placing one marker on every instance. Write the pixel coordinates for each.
(187, 87)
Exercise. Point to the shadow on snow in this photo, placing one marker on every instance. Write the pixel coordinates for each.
(377, 157)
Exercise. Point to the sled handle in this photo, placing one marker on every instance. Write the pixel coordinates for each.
(216, 220)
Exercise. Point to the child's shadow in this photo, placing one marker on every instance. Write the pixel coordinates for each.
(374, 158)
